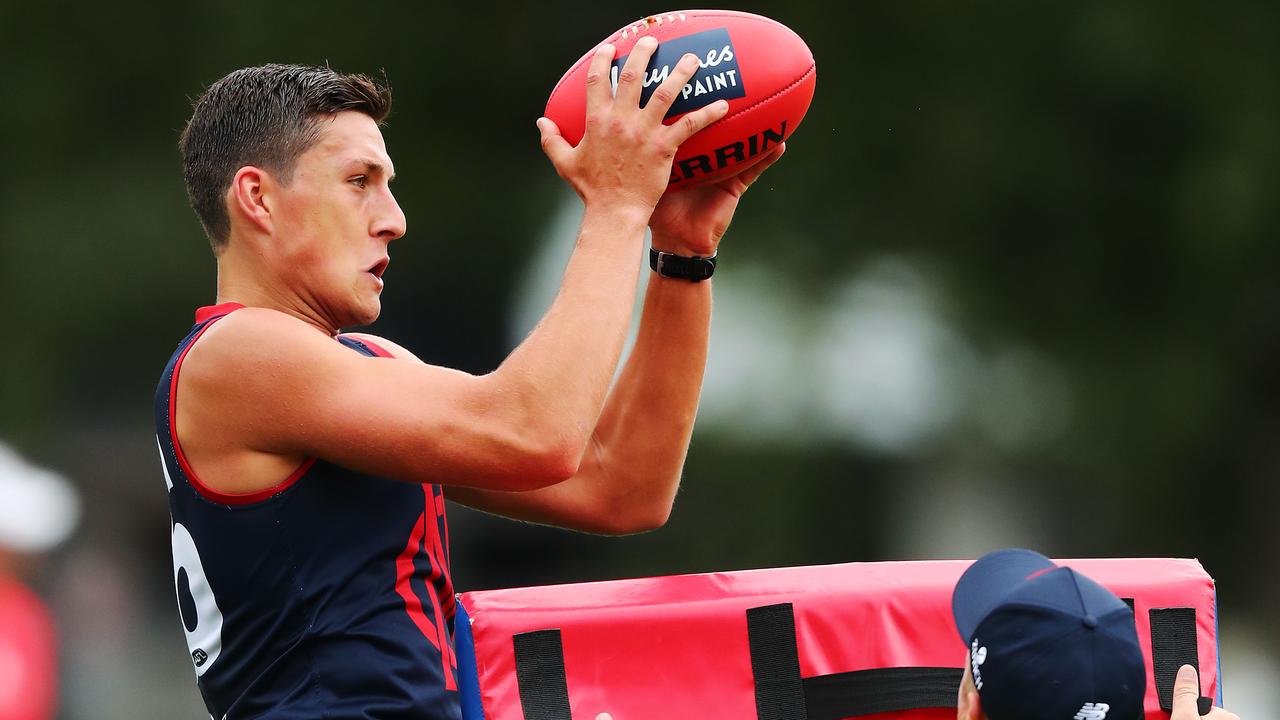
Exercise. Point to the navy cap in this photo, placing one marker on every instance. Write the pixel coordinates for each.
(1047, 643)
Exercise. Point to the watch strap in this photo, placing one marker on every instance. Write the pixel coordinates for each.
(693, 269)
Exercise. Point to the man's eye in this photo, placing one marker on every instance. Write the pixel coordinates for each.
(360, 180)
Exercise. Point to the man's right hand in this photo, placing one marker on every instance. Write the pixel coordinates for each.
(1186, 691)
(624, 158)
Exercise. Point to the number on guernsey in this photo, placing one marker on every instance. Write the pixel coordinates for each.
(201, 618)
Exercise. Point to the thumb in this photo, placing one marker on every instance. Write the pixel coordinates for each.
(604, 716)
(1186, 690)
(553, 144)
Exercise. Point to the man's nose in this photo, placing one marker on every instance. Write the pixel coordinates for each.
(391, 222)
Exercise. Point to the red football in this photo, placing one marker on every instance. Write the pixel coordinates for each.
(760, 66)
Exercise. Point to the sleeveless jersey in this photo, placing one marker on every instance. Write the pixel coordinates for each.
(327, 596)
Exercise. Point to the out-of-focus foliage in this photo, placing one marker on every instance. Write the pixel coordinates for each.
(1091, 184)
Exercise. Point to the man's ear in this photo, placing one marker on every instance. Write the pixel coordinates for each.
(246, 198)
(970, 706)
(968, 703)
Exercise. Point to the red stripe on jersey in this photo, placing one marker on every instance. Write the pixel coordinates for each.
(404, 572)
(376, 348)
(442, 550)
(426, 536)
(212, 314)
(439, 577)
(444, 521)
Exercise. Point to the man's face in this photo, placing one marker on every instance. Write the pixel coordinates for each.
(333, 222)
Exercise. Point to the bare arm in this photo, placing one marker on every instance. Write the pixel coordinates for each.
(631, 469)
(631, 472)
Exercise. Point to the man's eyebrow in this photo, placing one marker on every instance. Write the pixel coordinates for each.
(373, 167)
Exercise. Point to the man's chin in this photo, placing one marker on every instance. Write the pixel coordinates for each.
(372, 316)
(366, 314)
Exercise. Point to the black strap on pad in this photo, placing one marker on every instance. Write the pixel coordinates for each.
(775, 663)
(781, 694)
(544, 693)
(1173, 644)
(867, 692)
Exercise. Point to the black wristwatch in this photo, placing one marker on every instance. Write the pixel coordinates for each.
(693, 269)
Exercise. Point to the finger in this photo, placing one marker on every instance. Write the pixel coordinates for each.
(599, 94)
(690, 124)
(662, 98)
(604, 716)
(1186, 689)
(755, 171)
(554, 145)
(631, 78)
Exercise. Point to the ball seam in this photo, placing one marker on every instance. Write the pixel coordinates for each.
(762, 101)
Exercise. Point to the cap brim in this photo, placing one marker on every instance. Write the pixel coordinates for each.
(987, 581)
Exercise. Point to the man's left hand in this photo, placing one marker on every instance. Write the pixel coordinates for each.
(692, 222)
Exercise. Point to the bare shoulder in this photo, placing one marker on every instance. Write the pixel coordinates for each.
(244, 373)
(395, 349)
(250, 338)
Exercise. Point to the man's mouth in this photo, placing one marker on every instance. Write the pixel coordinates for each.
(379, 267)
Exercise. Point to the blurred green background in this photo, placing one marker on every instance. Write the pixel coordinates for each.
(1011, 285)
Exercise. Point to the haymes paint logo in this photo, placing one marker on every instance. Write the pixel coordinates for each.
(717, 76)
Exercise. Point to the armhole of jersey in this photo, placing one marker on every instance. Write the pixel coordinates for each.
(375, 349)
(194, 480)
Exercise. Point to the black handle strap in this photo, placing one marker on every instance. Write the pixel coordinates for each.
(781, 694)
(1173, 644)
(544, 693)
(775, 663)
(867, 692)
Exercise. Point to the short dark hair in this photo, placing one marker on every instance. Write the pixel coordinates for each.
(265, 116)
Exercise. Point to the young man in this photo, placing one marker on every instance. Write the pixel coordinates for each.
(307, 469)
(1047, 643)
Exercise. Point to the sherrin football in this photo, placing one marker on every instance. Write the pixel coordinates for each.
(764, 70)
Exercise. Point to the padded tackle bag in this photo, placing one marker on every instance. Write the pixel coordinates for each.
(806, 643)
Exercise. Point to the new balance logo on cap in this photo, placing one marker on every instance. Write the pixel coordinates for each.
(977, 656)
(1092, 711)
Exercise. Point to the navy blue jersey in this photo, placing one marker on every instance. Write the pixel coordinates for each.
(327, 596)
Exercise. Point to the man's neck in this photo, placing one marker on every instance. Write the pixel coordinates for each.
(244, 282)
